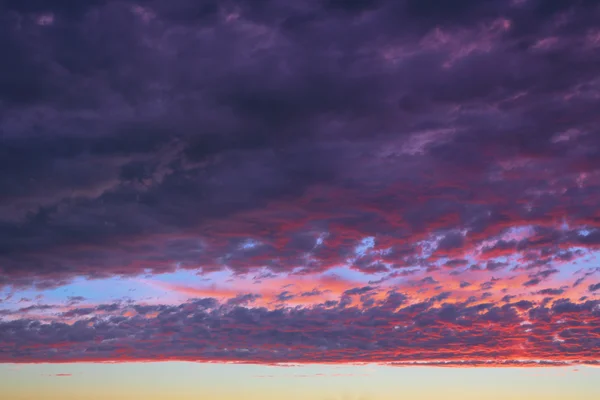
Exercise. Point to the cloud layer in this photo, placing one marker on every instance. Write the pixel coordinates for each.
(387, 331)
(448, 155)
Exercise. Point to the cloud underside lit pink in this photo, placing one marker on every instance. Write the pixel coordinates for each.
(399, 182)
(389, 331)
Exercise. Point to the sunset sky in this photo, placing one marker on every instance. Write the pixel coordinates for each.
(300, 199)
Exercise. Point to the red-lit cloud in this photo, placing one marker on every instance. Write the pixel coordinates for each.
(442, 160)
(391, 330)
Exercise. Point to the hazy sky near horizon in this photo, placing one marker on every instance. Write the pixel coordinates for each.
(408, 184)
(187, 381)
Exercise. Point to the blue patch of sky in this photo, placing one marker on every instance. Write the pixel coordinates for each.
(104, 290)
(100, 290)
(350, 274)
(321, 239)
(249, 244)
(190, 277)
(586, 263)
(365, 245)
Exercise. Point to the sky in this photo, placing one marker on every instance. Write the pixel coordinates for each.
(324, 199)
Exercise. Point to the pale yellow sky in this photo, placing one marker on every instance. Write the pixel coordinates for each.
(188, 381)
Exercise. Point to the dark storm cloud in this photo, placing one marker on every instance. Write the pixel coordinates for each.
(154, 135)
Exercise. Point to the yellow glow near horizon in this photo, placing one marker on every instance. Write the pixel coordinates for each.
(189, 381)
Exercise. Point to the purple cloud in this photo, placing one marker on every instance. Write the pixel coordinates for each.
(437, 154)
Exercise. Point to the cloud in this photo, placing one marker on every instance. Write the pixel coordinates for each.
(143, 188)
(551, 292)
(447, 154)
(205, 331)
